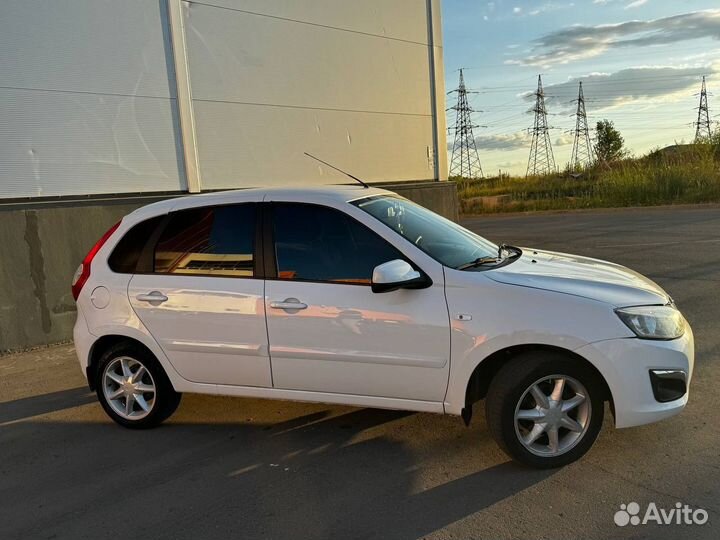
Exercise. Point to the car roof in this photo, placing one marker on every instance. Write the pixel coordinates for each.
(336, 193)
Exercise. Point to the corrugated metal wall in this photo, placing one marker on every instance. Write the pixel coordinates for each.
(88, 102)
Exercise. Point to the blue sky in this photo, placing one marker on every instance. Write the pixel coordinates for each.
(640, 61)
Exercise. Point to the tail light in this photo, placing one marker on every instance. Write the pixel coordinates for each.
(83, 272)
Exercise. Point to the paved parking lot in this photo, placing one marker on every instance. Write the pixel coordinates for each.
(244, 468)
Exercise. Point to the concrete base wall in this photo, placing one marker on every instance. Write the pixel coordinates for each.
(41, 246)
(440, 197)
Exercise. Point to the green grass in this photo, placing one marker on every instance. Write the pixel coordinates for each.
(675, 175)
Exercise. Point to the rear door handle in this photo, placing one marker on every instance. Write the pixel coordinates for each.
(155, 298)
(289, 304)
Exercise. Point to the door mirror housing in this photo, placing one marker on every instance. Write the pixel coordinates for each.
(397, 274)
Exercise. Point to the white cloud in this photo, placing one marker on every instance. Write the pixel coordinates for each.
(632, 4)
(517, 10)
(511, 141)
(549, 7)
(511, 164)
(647, 85)
(579, 42)
(705, 55)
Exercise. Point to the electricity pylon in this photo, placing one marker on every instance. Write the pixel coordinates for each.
(542, 160)
(582, 155)
(702, 126)
(465, 161)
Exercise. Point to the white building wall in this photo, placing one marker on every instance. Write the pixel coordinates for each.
(87, 99)
(88, 94)
(348, 81)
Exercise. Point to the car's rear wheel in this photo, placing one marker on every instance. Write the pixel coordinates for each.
(133, 388)
(545, 409)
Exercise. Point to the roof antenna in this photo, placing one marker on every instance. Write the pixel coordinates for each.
(363, 184)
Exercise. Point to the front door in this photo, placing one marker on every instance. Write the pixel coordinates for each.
(203, 302)
(329, 332)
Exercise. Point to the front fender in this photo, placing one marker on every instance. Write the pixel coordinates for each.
(465, 365)
(488, 317)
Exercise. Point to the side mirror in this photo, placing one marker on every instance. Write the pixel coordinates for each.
(397, 274)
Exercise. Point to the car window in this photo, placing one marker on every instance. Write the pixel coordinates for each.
(124, 258)
(214, 241)
(445, 241)
(318, 243)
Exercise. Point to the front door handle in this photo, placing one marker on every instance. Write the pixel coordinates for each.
(289, 304)
(155, 298)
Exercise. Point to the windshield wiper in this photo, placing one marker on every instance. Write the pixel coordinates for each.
(504, 252)
(479, 262)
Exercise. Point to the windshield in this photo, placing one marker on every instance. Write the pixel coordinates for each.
(443, 240)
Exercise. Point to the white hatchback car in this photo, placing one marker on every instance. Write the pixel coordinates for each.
(358, 296)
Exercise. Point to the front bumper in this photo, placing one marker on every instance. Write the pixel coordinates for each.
(626, 365)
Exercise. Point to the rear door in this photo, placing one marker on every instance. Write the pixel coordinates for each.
(202, 298)
(329, 332)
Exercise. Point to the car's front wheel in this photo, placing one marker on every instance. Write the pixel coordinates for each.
(545, 409)
(133, 388)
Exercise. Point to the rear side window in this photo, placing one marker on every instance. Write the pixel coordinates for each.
(214, 241)
(317, 243)
(124, 258)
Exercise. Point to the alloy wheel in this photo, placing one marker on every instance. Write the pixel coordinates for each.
(129, 388)
(552, 415)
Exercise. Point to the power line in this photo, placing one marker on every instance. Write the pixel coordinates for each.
(465, 161)
(601, 59)
(702, 126)
(582, 155)
(588, 82)
(541, 160)
(504, 115)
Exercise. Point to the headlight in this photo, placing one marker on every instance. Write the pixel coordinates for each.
(653, 322)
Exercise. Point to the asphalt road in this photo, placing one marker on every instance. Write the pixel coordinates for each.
(244, 468)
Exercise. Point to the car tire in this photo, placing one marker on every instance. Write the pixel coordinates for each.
(545, 432)
(133, 388)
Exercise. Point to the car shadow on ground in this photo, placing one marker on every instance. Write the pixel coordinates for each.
(316, 474)
(45, 403)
